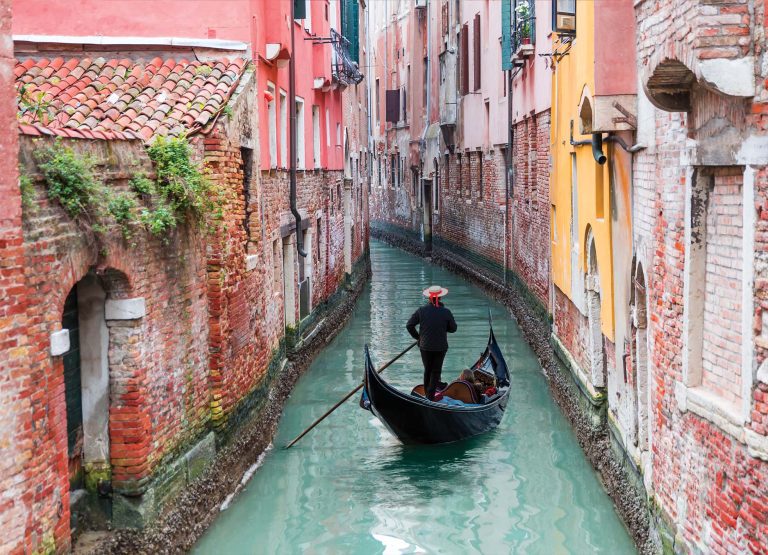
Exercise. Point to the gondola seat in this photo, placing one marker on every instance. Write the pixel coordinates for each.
(459, 390)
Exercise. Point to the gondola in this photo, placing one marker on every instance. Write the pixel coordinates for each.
(413, 419)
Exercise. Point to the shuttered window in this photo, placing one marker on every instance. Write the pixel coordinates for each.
(476, 49)
(393, 105)
(444, 18)
(506, 34)
(350, 17)
(464, 59)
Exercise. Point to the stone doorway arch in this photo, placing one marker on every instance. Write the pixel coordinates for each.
(640, 357)
(595, 347)
(91, 329)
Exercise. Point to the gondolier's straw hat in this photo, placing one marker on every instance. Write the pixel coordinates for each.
(435, 291)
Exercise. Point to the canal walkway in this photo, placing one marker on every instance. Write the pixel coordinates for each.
(350, 487)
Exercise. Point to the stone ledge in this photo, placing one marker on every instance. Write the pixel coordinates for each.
(251, 262)
(125, 309)
(707, 405)
(59, 342)
(757, 445)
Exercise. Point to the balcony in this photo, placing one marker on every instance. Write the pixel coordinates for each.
(345, 70)
(523, 39)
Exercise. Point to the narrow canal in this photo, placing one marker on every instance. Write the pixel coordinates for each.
(350, 487)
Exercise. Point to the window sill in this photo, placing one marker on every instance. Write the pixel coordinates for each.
(707, 404)
(251, 262)
(725, 416)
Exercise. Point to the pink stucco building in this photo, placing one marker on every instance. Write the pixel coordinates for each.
(263, 26)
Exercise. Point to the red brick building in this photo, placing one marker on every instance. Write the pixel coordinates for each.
(699, 299)
(138, 352)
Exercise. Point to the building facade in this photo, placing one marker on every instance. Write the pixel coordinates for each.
(147, 334)
(697, 295)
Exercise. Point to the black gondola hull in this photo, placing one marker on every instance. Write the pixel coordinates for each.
(415, 420)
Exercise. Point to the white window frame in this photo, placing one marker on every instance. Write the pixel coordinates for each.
(316, 135)
(301, 149)
(283, 129)
(272, 125)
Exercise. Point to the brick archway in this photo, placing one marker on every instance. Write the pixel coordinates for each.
(107, 436)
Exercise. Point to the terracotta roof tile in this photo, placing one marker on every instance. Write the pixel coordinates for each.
(100, 98)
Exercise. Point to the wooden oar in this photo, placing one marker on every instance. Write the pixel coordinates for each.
(347, 396)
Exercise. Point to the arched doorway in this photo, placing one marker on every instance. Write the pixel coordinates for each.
(86, 377)
(86, 392)
(596, 350)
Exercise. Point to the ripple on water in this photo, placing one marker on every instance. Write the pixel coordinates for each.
(350, 487)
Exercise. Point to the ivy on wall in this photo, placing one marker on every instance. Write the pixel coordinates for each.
(180, 192)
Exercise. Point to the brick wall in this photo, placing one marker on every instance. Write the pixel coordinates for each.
(571, 327)
(530, 237)
(18, 435)
(709, 486)
(153, 360)
(213, 319)
(472, 206)
(721, 356)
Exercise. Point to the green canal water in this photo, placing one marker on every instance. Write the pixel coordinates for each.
(350, 487)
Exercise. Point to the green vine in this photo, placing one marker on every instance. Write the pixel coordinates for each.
(35, 106)
(70, 181)
(179, 192)
(27, 192)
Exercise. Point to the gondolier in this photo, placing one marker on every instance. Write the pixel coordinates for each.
(435, 322)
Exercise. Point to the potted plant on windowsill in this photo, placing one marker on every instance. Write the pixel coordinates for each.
(523, 11)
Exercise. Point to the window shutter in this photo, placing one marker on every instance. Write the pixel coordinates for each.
(445, 17)
(299, 9)
(476, 48)
(393, 105)
(350, 17)
(405, 106)
(464, 60)
(506, 35)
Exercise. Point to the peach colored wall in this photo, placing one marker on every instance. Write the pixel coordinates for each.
(256, 22)
(532, 87)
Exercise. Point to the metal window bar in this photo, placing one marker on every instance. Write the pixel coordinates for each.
(344, 68)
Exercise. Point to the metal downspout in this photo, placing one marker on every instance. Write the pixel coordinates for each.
(292, 96)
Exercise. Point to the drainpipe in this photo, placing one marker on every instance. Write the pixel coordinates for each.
(292, 108)
(509, 181)
(596, 142)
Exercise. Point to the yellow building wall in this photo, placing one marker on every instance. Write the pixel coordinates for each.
(572, 77)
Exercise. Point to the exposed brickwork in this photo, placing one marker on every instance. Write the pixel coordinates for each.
(708, 485)
(469, 219)
(18, 498)
(530, 237)
(571, 327)
(721, 357)
(153, 359)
